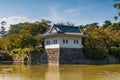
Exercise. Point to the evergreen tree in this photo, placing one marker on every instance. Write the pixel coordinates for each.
(2, 31)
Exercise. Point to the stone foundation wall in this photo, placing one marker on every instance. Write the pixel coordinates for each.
(71, 55)
(33, 58)
(52, 55)
(18, 59)
(64, 55)
(68, 56)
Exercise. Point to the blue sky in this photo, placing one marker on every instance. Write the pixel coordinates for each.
(76, 11)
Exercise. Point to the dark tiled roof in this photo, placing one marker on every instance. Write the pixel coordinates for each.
(67, 29)
(62, 29)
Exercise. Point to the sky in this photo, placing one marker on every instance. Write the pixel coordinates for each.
(79, 12)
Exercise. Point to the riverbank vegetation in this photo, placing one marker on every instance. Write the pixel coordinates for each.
(101, 41)
(22, 38)
(98, 42)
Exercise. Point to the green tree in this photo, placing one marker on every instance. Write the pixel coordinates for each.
(48, 22)
(107, 23)
(102, 37)
(24, 35)
(116, 5)
(2, 31)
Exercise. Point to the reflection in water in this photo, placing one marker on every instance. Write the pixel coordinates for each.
(90, 72)
(109, 75)
(52, 72)
(71, 72)
(12, 77)
(13, 72)
(62, 72)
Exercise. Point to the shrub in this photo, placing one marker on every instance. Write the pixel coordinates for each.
(15, 52)
(115, 52)
(96, 53)
(25, 51)
(20, 52)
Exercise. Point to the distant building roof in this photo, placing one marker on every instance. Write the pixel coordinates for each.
(62, 30)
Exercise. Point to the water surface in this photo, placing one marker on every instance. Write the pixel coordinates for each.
(61, 72)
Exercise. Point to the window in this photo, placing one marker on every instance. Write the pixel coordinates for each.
(54, 41)
(65, 41)
(48, 42)
(76, 41)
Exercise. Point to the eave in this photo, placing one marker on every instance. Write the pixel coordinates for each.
(62, 34)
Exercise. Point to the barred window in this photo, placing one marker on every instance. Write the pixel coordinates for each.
(54, 41)
(65, 41)
(76, 41)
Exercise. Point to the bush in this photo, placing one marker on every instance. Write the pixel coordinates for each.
(96, 53)
(25, 51)
(115, 52)
(20, 52)
(15, 52)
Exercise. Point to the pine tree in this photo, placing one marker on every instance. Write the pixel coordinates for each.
(2, 31)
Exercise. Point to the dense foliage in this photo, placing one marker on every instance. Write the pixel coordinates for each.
(23, 37)
(98, 39)
(115, 52)
(96, 53)
(102, 37)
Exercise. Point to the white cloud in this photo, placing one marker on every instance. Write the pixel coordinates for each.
(67, 15)
(54, 15)
(16, 20)
(73, 12)
(75, 15)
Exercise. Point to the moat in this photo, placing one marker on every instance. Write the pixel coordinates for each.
(61, 72)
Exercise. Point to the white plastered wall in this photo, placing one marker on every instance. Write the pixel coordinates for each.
(70, 43)
(60, 43)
